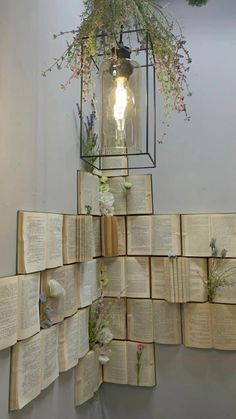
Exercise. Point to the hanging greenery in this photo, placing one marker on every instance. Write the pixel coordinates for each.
(169, 52)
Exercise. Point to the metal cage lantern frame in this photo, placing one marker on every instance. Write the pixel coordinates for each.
(146, 158)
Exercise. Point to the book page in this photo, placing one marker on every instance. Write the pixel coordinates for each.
(87, 282)
(89, 245)
(88, 193)
(118, 163)
(28, 305)
(139, 197)
(85, 239)
(139, 235)
(119, 195)
(8, 311)
(88, 374)
(97, 236)
(69, 239)
(95, 284)
(68, 349)
(223, 229)
(165, 234)
(166, 323)
(49, 356)
(160, 274)
(115, 371)
(25, 372)
(70, 285)
(147, 374)
(32, 242)
(224, 326)
(83, 331)
(196, 234)
(116, 309)
(116, 277)
(54, 240)
(197, 279)
(121, 231)
(197, 327)
(226, 267)
(140, 320)
(137, 277)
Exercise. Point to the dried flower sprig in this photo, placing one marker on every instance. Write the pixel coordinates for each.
(140, 349)
(168, 48)
(90, 144)
(220, 275)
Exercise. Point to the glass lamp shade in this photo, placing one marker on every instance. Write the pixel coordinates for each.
(120, 107)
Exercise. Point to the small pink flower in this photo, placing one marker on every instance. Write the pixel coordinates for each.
(140, 346)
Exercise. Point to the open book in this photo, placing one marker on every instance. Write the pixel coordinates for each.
(39, 243)
(207, 325)
(199, 229)
(122, 368)
(113, 231)
(19, 308)
(137, 200)
(154, 321)
(34, 366)
(73, 339)
(88, 193)
(88, 377)
(179, 280)
(80, 282)
(128, 277)
(153, 235)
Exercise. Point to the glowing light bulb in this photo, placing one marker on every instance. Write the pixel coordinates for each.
(121, 100)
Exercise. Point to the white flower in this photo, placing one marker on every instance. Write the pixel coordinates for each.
(106, 200)
(127, 186)
(103, 359)
(105, 336)
(55, 290)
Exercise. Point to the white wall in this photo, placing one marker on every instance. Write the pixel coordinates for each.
(196, 172)
(38, 155)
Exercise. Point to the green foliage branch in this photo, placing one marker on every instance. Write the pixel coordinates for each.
(101, 17)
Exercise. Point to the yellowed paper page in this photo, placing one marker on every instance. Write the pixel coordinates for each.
(166, 323)
(139, 235)
(139, 197)
(140, 320)
(69, 239)
(223, 325)
(54, 240)
(165, 236)
(116, 309)
(28, 305)
(88, 377)
(25, 372)
(32, 242)
(115, 371)
(8, 310)
(197, 325)
(49, 356)
(137, 277)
